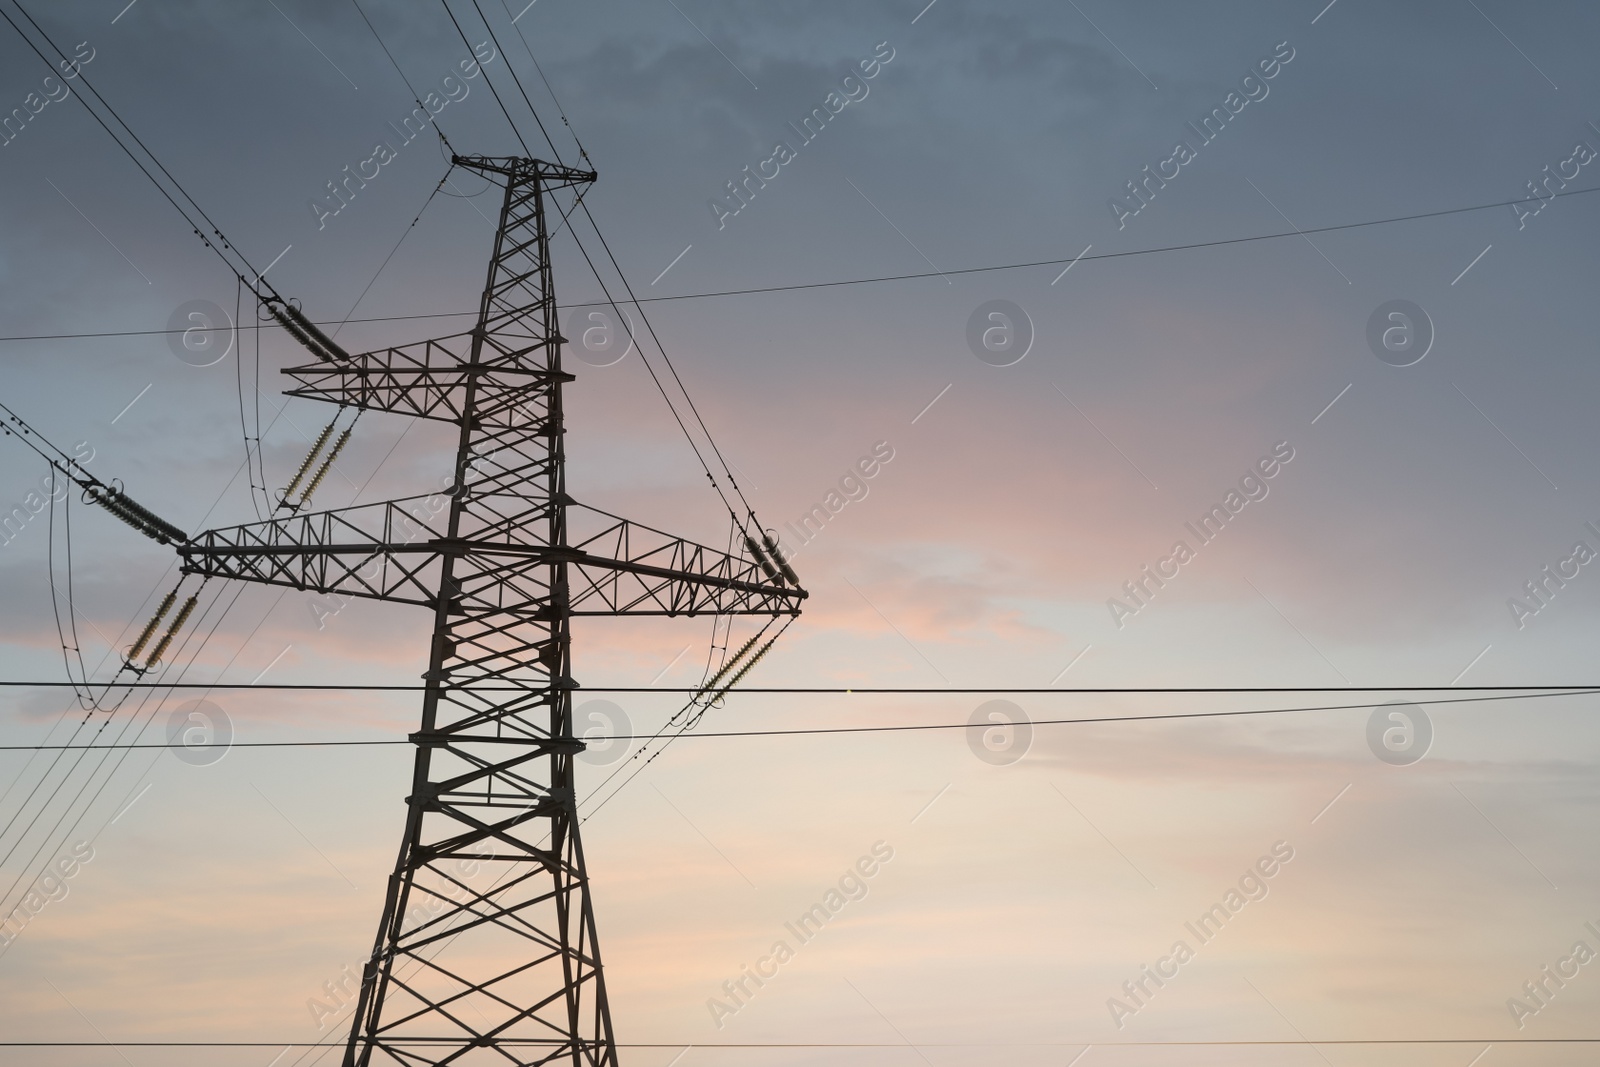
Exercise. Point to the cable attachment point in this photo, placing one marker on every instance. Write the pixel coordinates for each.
(141, 518)
(302, 329)
(761, 558)
(779, 558)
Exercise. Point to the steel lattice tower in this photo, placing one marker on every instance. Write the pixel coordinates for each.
(486, 951)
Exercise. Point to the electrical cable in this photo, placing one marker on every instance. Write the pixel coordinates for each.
(518, 82)
(70, 464)
(170, 687)
(130, 687)
(416, 97)
(684, 712)
(251, 464)
(583, 155)
(84, 81)
(84, 697)
(404, 234)
(67, 465)
(881, 278)
(889, 729)
(26, 429)
(52, 841)
(108, 777)
(526, 151)
(676, 377)
(587, 259)
(661, 388)
(77, 730)
(623, 278)
(334, 687)
(422, 1042)
(689, 724)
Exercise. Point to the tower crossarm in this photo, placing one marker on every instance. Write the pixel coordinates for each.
(429, 379)
(391, 551)
(385, 551)
(627, 568)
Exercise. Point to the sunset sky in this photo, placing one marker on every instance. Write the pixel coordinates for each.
(1159, 363)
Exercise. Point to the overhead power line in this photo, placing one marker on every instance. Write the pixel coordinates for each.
(1281, 1043)
(875, 279)
(171, 189)
(902, 728)
(857, 690)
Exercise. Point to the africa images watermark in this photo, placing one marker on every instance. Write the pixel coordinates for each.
(851, 886)
(1552, 578)
(341, 990)
(1255, 89)
(432, 504)
(1551, 980)
(50, 887)
(1002, 733)
(1582, 155)
(15, 519)
(1252, 487)
(1252, 886)
(852, 90)
(455, 89)
(12, 125)
(1399, 733)
(852, 486)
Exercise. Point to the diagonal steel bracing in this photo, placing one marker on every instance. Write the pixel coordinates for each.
(486, 951)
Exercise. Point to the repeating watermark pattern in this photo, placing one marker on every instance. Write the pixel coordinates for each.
(1552, 979)
(594, 337)
(1252, 488)
(50, 91)
(1254, 88)
(1582, 155)
(1399, 733)
(15, 519)
(1553, 578)
(193, 333)
(339, 992)
(199, 733)
(852, 486)
(1002, 733)
(50, 887)
(851, 886)
(852, 90)
(325, 606)
(605, 729)
(1400, 333)
(999, 333)
(341, 191)
(1252, 886)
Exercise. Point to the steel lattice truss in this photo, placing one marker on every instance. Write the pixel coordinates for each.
(486, 951)
(391, 551)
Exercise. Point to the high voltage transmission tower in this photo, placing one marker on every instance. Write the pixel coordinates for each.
(487, 951)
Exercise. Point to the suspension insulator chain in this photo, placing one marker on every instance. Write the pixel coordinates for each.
(134, 514)
(322, 471)
(150, 627)
(311, 457)
(172, 631)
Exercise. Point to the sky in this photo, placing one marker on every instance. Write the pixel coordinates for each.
(1349, 316)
